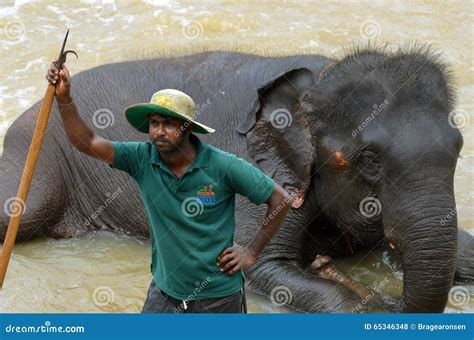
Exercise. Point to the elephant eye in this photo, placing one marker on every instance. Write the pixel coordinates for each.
(369, 165)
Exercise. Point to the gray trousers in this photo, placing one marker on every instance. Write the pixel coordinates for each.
(158, 301)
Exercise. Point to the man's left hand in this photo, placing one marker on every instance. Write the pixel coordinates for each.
(234, 258)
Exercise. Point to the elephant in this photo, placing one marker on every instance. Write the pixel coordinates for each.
(363, 143)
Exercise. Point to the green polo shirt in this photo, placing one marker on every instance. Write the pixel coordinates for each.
(191, 219)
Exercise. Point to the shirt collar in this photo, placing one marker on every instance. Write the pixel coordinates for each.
(201, 160)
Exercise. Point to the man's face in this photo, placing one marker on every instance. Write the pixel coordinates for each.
(168, 133)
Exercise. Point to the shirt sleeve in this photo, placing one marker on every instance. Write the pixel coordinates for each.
(249, 181)
(128, 157)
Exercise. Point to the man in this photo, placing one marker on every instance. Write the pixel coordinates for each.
(188, 189)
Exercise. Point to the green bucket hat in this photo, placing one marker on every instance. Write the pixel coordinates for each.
(168, 102)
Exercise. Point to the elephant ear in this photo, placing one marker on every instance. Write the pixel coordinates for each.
(278, 132)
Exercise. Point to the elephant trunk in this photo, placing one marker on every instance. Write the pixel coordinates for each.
(420, 221)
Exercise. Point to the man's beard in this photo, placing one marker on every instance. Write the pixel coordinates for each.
(169, 147)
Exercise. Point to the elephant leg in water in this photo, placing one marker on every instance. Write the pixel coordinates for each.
(287, 283)
(324, 268)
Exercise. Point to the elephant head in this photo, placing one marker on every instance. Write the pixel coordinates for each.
(370, 139)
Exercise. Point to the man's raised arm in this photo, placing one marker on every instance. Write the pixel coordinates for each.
(79, 133)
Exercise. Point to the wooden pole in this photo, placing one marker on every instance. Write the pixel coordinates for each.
(26, 178)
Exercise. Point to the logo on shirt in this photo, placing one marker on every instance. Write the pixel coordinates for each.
(206, 195)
